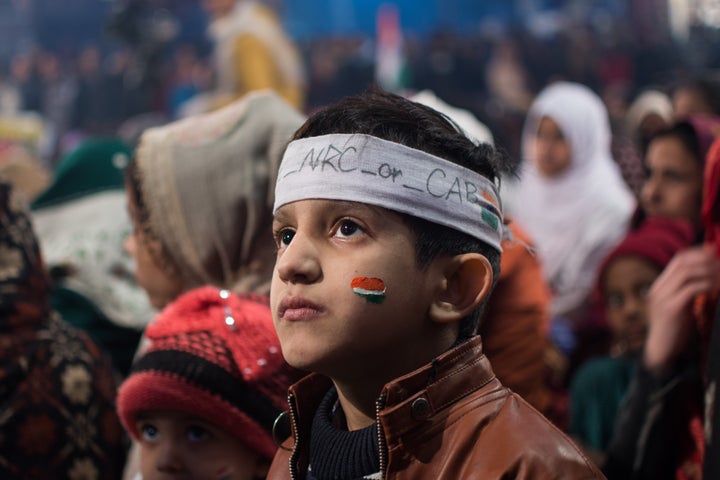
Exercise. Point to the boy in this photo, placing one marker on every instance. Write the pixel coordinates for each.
(203, 399)
(386, 255)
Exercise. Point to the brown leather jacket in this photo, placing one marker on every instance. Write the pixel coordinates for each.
(451, 419)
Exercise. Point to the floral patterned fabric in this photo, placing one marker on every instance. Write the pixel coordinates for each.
(57, 391)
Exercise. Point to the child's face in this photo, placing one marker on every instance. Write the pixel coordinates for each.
(160, 285)
(182, 446)
(322, 324)
(674, 184)
(627, 281)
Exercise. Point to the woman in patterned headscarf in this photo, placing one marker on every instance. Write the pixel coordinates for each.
(57, 391)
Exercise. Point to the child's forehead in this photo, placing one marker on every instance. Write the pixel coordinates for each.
(175, 416)
(628, 268)
(324, 206)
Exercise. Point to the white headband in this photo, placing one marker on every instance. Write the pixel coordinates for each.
(367, 169)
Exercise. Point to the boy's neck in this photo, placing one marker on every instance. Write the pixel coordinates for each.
(358, 403)
(359, 394)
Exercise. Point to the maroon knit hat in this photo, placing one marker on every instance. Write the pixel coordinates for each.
(656, 239)
(216, 356)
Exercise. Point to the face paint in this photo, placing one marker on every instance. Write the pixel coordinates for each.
(371, 289)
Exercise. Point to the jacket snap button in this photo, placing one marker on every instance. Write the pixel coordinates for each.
(420, 408)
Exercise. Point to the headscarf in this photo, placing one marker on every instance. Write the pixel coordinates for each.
(473, 128)
(24, 284)
(656, 240)
(576, 218)
(58, 390)
(706, 312)
(207, 184)
(707, 129)
(24, 171)
(711, 197)
(650, 102)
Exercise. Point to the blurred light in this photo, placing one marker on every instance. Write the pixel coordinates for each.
(679, 14)
(708, 12)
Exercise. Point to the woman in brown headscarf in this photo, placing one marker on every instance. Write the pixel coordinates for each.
(57, 391)
(200, 196)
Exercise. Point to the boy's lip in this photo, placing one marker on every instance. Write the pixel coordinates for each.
(296, 308)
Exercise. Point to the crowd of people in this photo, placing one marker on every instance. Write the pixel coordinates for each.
(253, 282)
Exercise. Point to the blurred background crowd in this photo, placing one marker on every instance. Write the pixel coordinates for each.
(89, 66)
(549, 82)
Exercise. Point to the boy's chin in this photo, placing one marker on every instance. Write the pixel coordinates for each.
(300, 359)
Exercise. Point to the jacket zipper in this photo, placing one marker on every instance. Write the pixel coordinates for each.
(293, 419)
(379, 405)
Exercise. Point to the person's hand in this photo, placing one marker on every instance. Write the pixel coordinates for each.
(690, 273)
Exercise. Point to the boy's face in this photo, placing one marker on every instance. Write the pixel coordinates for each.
(322, 324)
(627, 281)
(181, 446)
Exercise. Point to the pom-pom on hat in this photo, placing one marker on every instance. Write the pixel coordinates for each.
(216, 356)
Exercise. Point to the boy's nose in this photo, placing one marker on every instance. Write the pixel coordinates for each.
(298, 263)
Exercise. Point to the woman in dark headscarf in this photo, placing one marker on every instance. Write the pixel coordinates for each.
(56, 389)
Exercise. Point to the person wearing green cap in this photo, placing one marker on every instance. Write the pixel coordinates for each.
(82, 222)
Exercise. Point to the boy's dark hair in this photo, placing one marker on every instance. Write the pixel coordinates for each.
(396, 119)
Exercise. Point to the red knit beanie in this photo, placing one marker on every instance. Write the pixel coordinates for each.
(656, 239)
(216, 356)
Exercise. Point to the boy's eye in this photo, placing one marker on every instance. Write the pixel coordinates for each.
(347, 229)
(148, 432)
(196, 433)
(284, 237)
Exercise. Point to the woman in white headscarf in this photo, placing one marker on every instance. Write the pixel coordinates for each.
(570, 195)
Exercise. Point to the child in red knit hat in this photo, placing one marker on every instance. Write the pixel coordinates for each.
(202, 400)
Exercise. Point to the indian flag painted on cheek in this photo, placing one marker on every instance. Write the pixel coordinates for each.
(371, 289)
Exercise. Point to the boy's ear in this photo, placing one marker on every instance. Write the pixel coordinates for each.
(466, 283)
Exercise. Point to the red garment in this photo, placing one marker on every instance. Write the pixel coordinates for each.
(704, 308)
(711, 197)
(214, 355)
(656, 240)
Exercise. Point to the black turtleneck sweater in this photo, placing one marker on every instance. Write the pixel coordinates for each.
(336, 453)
